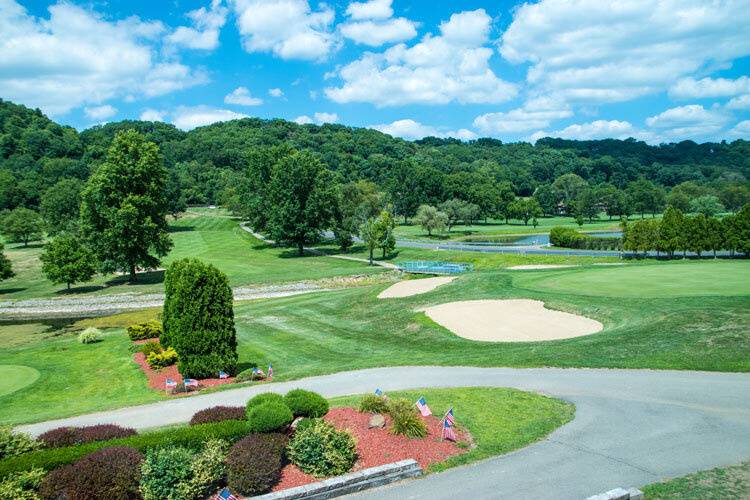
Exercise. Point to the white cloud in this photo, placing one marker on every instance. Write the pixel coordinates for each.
(152, 115)
(535, 113)
(740, 102)
(690, 88)
(410, 129)
(287, 28)
(187, 118)
(326, 117)
(616, 50)
(373, 9)
(303, 120)
(691, 121)
(452, 66)
(598, 129)
(100, 112)
(276, 92)
(242, 97)
(78, 57)
(205, 33)
(377, 33)
(742, 129)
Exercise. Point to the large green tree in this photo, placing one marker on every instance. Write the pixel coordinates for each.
(22, 225)
(61, 205)
(431, 219)
(6, 269)
(123, 209)
(301, 200)
(67, 260)
(198, 319)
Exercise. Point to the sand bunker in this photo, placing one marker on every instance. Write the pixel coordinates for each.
(529, 267)
(517, 320)
(414, 287)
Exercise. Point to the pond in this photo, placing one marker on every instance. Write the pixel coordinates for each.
(538, 239)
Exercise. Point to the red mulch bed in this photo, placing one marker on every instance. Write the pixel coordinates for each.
(158, 378)
(379, 447)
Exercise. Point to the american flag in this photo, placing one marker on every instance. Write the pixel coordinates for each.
(258, 371)
(448, 432)
(223, 374)
(423, 408)
(270, 371)
(449, 416)
(225, 494)
(378, 392)
(190, 382)
(170, 384)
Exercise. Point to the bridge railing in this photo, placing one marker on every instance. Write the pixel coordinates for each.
(436, 267)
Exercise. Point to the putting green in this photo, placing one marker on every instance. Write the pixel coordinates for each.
(678, 279)
(16, 377)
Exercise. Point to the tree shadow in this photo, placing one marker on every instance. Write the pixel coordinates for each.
(4, 291)
(80, 289)
(181, 229)
(143, 278)
(21, 246)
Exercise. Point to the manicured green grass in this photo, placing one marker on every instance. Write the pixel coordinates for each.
(724, 483)
(209, 235)
(674, 279)
(499, 420)
(15, 377)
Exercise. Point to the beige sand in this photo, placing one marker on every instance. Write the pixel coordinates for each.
(516, 320)
(414, 287)
(529, 267)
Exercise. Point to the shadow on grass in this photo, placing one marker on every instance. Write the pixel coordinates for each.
(4, 291)
(21, 246)
(181, 229)
(146, 278)
(80, 289)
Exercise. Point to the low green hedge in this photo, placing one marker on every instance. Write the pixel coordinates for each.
(189, 437)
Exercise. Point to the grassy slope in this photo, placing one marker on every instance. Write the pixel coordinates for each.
(210, 236)
(500, 420)
(724, 483)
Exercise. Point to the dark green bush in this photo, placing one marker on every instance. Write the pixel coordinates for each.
(254, 464)
(372, 403)
(218, 414)
(15, 443)
(269, 417)
(266, 397)
(190, 437)
(199, 319)
(567, 237)
(306, 403)
(320, 450)
(111, 473)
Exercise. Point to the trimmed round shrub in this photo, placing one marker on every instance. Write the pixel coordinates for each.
(306, 403)
(69, 436)
(320, 450)
(111, 473)
(266, 397)
(150, 347)
(248, 376)
(208, 470)
(218, 414)
(22, 485)
(254, 464)
(15, 443)
(148, 330)
(90, 336)
(304, 423)
(269, 417)
(178, 473)
(372, 403)
(158, 360)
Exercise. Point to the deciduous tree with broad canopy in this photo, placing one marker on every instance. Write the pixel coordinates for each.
(67, 260)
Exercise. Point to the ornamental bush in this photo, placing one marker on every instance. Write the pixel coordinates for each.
(149, 347)
(304, 423)
(254, 464)
(248, 375)
(266, 397)
(157, 360)
(406, 420)
(148, 330)
(69, 436)
(111, 473)
(23, 485)
(269, 417)
(199, 319)
(15, 443)
(306, 403)
(320, 450)
(90, 336)
(218, 414)
(372, 403)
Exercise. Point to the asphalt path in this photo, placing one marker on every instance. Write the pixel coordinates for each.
(632, 427)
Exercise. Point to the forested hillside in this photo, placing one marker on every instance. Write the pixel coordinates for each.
(212, 164)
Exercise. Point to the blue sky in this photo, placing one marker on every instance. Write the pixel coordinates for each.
(658, 71)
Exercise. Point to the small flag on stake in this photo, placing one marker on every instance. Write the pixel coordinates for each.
(190, 382)
(449, 416)
(170, 384)
(225, 494)
(423, 408)
(223, 374)
(258, 371)
(448, 432)
(378, 392)
(270, 371)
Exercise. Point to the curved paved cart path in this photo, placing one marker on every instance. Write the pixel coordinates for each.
(632, 427)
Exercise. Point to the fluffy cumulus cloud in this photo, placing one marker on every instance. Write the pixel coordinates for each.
(371, 24)
(411, 129)
(189, 117)
(535, 114)
(740, 102)
(616, 50)
(78, 57)
(276, 92)
(100, 112)
(598, 129)
(691, 121)
(451, 66)
(742, 130)
(204, 34)
(303, 120)
(326, 117)
(690, 88)
(152, 115)
(289, 29)
(241, 96)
